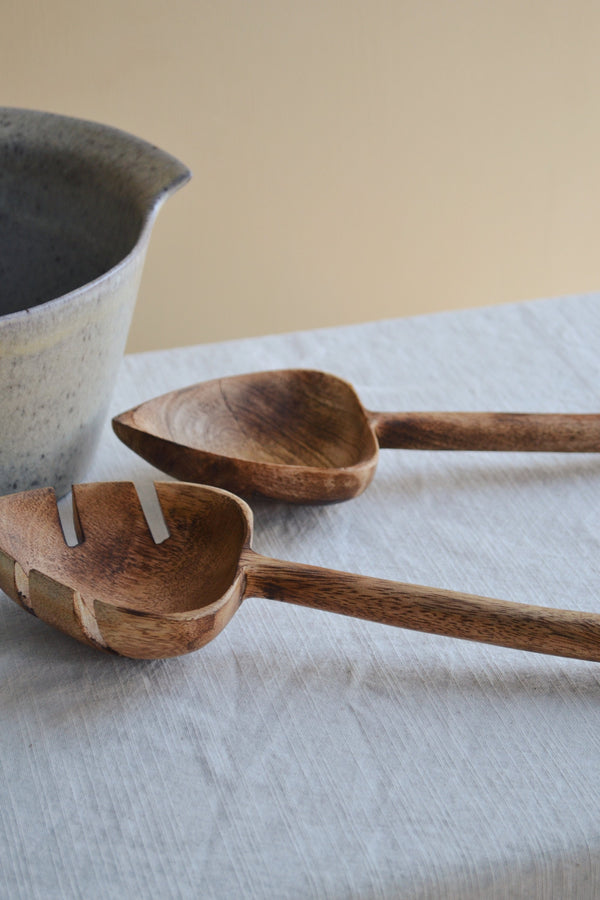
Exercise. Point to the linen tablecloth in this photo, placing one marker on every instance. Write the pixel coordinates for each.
(307, 755)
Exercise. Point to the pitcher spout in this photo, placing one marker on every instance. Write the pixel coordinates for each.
(77, 198)
(148, 173)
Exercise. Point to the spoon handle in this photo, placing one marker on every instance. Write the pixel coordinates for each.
(551, 432)
(523, 627)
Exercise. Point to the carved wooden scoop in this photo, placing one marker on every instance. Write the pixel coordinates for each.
(303, 436)
(120, 591)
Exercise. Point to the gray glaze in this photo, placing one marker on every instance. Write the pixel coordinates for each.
(77, 204)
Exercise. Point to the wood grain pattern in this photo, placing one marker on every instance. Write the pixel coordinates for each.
(521, 432)
(432, 610)
(303, 436)
(119, 591)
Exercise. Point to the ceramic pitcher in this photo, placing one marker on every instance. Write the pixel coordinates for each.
(77, 205)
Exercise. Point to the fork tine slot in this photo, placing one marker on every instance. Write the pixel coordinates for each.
(7, 577)
(153, 511)
(62, 607)
(117, 502)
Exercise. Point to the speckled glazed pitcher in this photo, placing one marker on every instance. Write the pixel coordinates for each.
(77, 205)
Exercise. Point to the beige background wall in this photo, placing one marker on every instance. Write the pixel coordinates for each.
(352, 160)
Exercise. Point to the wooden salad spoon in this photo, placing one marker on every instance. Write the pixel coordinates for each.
(303, 436)
(119, 591)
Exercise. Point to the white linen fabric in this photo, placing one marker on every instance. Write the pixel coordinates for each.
(307, 755)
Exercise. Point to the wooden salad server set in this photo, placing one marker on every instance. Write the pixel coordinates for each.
(298, 435)
(303, 436)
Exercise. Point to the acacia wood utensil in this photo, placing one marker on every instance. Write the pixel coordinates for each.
(119, 591)
(303, 436)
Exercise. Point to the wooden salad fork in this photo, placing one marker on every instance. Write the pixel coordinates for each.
(118, 590)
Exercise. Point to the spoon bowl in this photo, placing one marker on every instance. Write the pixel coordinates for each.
(303, 436)
(120, 591)
(293, 434)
